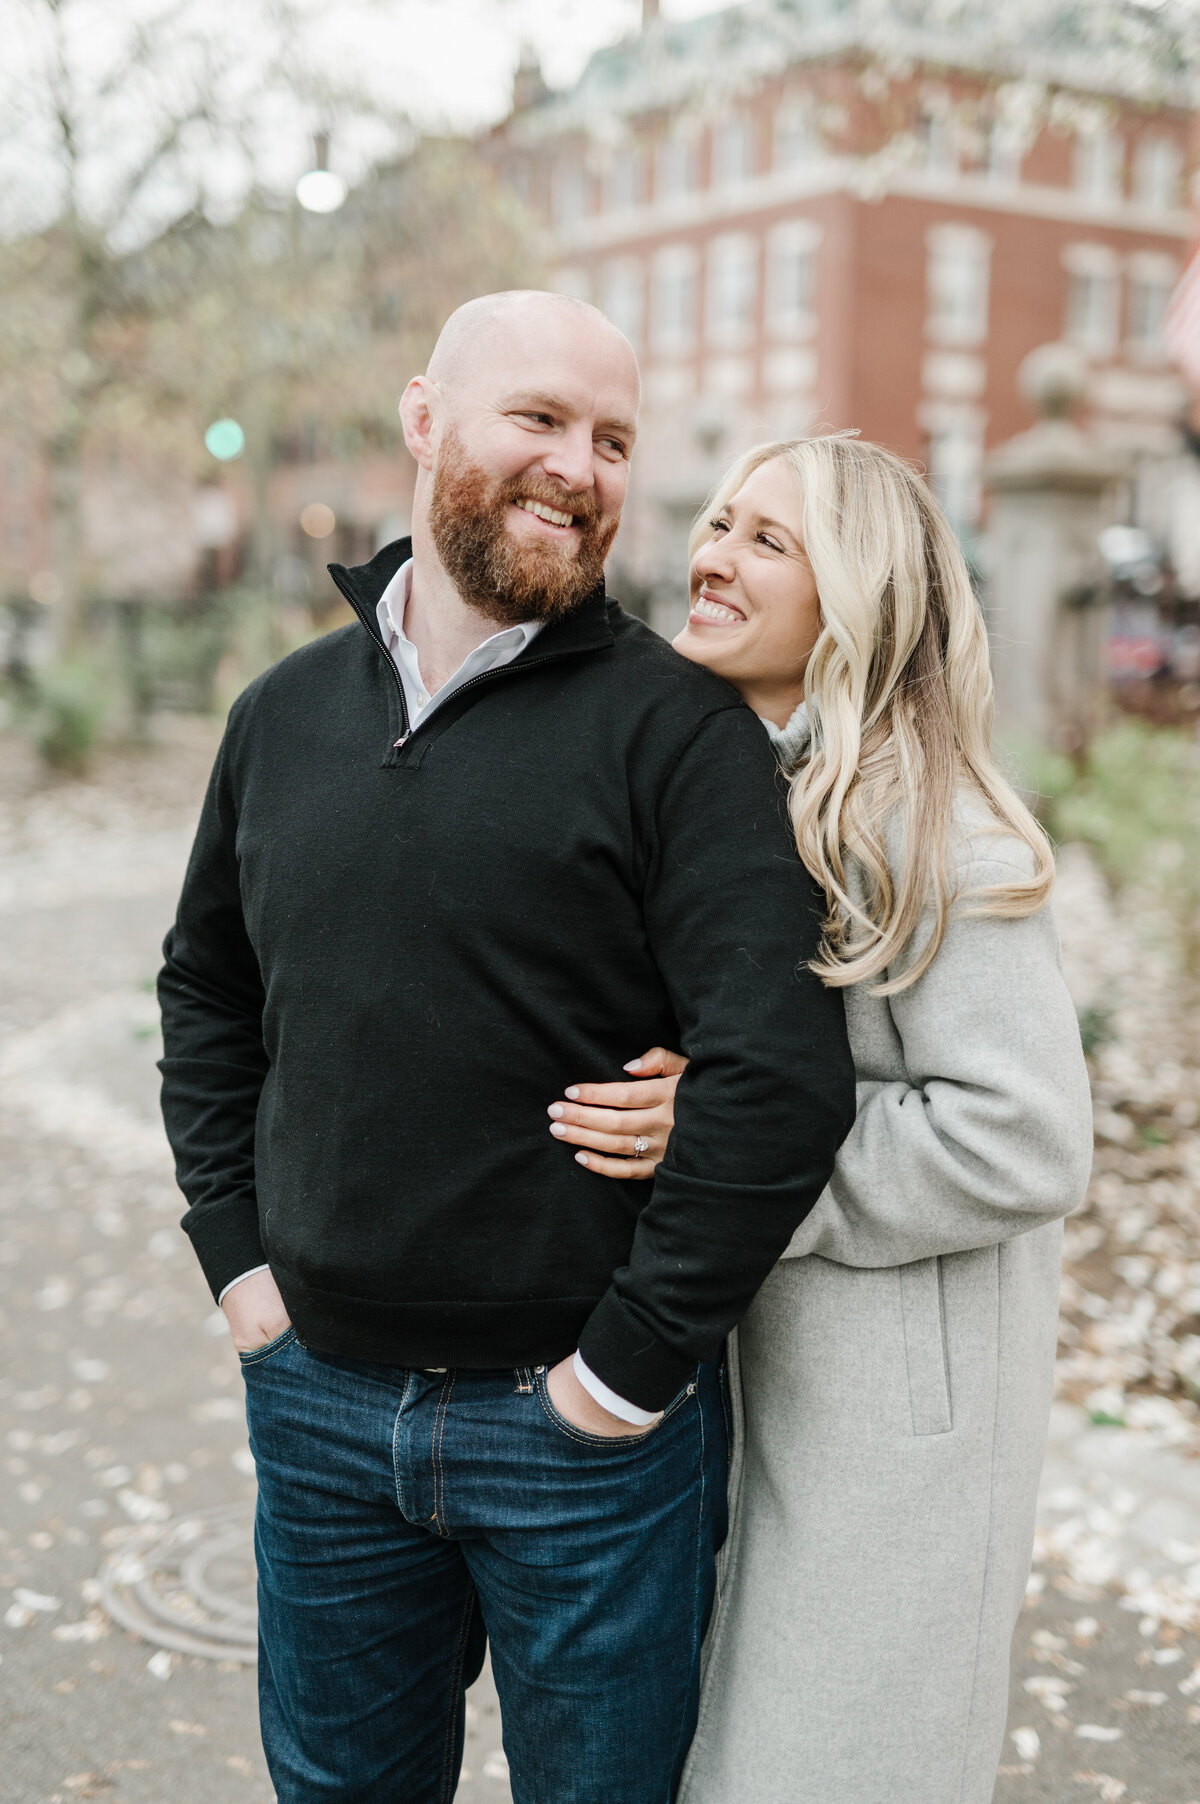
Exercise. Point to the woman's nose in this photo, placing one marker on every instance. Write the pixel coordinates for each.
(714, 560)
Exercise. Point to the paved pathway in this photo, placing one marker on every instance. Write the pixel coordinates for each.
(120, 1413)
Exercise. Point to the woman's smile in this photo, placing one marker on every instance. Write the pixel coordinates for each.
(712, 610)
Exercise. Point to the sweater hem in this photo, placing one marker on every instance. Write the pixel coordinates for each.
(480, 1335)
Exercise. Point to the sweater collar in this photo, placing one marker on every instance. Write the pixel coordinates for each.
(586, 628)
(792, 741)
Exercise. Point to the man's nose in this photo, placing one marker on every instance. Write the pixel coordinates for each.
(571, 459)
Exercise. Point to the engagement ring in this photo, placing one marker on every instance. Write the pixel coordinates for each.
(641, 1145)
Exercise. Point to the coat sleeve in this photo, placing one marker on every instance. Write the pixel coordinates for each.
(214, 1062)
(991, 1133)
(732, 918)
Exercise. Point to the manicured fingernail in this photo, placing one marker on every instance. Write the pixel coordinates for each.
(572, 1095)
(557, 1127)
(555, 1109)
(582, 1159)
(633, 1065)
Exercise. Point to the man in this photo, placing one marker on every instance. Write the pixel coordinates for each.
(493, 838)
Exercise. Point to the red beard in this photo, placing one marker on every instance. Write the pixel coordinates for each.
(505, 580)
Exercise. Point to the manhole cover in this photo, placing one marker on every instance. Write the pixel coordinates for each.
(190, 1585)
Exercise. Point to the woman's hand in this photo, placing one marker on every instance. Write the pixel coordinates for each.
(608, 1119)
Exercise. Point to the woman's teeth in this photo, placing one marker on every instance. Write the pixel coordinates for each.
(712, 610)
(547, 513)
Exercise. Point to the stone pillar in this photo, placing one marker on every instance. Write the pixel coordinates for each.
(1050, 492)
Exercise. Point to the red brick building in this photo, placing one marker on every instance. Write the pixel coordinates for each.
(799, 220)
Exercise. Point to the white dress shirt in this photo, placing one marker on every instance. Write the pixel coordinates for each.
(500, 649)
(495, 652)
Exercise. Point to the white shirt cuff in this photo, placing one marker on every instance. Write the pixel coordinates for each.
(616, 1406)
(240, 1279)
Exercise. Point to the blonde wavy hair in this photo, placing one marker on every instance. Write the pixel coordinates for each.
(899, 693)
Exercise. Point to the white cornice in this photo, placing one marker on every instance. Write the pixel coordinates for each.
(861, 178)
(670, 66)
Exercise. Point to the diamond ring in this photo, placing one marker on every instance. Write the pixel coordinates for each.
(641, 1145)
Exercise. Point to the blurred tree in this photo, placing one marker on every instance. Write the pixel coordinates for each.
(305, 327)
(155, 272)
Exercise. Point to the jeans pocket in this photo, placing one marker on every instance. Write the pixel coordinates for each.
(623, 1441)
(256, 1356)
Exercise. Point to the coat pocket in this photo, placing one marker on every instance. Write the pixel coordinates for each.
(925, 1346)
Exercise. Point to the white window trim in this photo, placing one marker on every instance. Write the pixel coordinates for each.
(743, 250)
(790, 237)
(630, 273)
(1098, 263)
(673, 260)
(741, 125)
(947, 243)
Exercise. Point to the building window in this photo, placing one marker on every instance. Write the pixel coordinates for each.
(956, 468)
(732, 152)
(673, 300)
(732, 289)
(1093, 298)
(792, 278)
(1099, 163)
(568, 195)
(1152, 280)
(623, 179)
(622, 296)
(938, 134)
(676, 166)
(793, 140)
(958, 274)
(1157, 172)
(1005, 150)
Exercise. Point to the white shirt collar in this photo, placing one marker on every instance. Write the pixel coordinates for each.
(500, 649)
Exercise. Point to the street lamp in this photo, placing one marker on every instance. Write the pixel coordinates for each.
(320, 190)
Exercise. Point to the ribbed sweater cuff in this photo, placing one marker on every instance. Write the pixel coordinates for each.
(226, 1239)
(629, 1358)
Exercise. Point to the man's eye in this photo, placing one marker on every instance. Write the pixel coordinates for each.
(542, 419)
(615, 446)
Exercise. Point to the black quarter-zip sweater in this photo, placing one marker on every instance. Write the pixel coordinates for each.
(389, 958)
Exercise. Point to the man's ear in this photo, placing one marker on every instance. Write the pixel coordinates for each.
(419, 405)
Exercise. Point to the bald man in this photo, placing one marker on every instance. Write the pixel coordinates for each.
(494, 837)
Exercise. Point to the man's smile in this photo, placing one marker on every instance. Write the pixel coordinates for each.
(552, 517)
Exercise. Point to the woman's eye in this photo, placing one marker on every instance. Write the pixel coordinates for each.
(719, 525)
(769, 543)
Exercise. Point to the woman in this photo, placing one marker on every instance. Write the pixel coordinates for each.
(895, 1369)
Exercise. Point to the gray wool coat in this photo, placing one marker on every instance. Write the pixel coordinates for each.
(892, 1385)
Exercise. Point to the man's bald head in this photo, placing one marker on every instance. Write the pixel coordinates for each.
(522, 429)
(496, 326)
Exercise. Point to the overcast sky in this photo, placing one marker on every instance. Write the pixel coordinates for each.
(132, 65)
(455, 58)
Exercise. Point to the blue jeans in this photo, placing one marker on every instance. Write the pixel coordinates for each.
(406, 1518)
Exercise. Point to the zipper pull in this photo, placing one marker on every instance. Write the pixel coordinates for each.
(403, 740)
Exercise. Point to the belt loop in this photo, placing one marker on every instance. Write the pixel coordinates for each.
(524, 1381)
